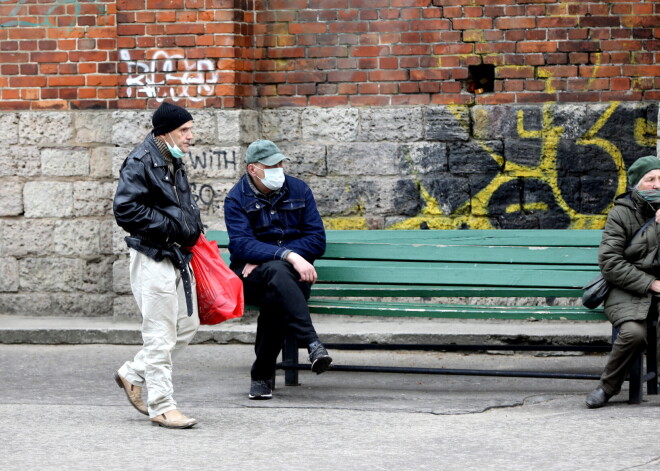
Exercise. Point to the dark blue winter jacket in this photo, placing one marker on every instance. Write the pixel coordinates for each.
(263, 228)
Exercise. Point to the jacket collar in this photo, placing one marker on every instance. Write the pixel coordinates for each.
(157, 156)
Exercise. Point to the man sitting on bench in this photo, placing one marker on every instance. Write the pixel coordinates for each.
(275, 234)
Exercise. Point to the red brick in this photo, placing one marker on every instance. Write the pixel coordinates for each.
(515, 23)
(472, 23)
(399, 100)
(369, 51)
(600, 71)
(388, 75)
(558, 71)
(328, 101)
(369, 100)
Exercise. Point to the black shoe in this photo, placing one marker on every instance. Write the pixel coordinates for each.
(261, 389)
(318, 357)
(597, 398)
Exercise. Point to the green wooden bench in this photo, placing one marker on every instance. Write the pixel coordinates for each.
(408, 266)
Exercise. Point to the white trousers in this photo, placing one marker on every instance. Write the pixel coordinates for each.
(166, 328)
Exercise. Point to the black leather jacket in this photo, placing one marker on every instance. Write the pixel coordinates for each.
(153, 205)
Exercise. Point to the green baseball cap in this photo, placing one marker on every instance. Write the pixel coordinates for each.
(265, 152)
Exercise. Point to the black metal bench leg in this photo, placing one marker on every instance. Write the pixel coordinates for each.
(636, 380)
(290, 356)
(652, 351)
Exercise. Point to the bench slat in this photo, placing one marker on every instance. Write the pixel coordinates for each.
(452, 311)
(425, 274)
(455, 253)
(429, 291)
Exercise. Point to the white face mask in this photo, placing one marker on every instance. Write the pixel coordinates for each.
(273, 178)
(175, 151)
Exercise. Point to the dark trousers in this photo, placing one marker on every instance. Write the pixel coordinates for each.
(282, 301)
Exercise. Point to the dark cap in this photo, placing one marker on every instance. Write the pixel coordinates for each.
(641, 167)
(168, 117)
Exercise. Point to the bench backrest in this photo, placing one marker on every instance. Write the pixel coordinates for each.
(486, 263)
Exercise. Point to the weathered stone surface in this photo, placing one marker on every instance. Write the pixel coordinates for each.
(450, 192)
(306, 159)
(65, 162)
(330, 124)
(473, 157)
(106, 234)
(204, 127)
(48, 199)
(125, 307)
(26, 304)
(93, 198)
(11, 198)
(236, 127)
(361, 158)
(45, 128)
(130, 127)
(100, 162)
(50, 274)
(9, 126)
(118, 243)
(385, 195)
(209, 194)
(214, 162)
(523, 152)
(424, 158)
(23, 237)
(97, 275)
(281, 125)
(334, 196)
(391, 124)
(76, 238)
(121, 282)
(93, 127)
(85, 305)
(8, 274)
(444, 123)
(119, 155)
(572, 118)
(23, 161)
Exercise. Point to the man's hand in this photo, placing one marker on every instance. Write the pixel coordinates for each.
(655, 286)
(247, 269)
(657, 216)
(303, 267)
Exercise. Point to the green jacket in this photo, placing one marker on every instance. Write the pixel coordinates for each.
(627, 265)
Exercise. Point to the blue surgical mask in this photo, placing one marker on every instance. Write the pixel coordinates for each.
(273, 178)
(175, 151)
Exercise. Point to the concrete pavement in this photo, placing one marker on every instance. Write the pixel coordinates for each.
(62, 410)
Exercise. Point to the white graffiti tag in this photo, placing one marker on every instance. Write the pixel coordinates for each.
(170, 76)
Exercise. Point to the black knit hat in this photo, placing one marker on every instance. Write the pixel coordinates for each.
(168, 117)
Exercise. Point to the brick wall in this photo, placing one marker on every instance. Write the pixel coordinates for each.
(77, 54)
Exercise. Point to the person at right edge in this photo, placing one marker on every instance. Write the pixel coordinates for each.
(626, 261)
(275, 235)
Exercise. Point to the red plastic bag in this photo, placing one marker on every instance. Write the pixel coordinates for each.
(219, 290)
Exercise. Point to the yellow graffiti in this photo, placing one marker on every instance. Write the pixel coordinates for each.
(599, 56)
(514, 208)
(590, 139)
(473, 213)
(645, 132)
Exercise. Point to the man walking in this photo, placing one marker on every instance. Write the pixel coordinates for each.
(275, 234)
(154, 205)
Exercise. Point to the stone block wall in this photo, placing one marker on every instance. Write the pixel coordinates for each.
(436, 167)
(132, 54)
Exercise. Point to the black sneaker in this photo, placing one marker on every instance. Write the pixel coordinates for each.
(261, 389)
(318, 357)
